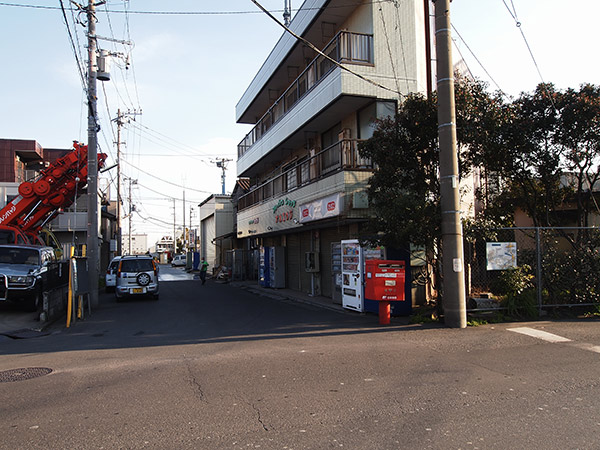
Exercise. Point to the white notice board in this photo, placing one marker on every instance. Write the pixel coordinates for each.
(501, 255)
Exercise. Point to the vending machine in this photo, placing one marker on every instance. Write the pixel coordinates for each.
(277, 267)
(264, 273)
(352, 275)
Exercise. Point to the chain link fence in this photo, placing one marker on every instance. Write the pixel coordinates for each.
(533, 268)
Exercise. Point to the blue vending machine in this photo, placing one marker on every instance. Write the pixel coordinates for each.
(264, 274)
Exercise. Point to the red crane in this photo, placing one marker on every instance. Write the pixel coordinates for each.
(42, 199)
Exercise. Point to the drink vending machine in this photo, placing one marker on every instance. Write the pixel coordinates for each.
(264, 273)
(277, 267)
(352, 275)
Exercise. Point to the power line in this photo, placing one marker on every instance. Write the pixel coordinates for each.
(477, 59)
(74, 47)
(165, 181)
(179, 13)
(518, 24)
(327, 57)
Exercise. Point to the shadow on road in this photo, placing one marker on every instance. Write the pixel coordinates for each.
(189, 313)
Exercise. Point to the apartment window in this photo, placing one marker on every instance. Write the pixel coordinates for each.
(304, 170)
(330, 157)
(291, 176)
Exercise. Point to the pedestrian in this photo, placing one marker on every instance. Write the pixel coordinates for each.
(203, 269)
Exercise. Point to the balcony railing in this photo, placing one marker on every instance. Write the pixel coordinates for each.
(345, 47)
(340, 156)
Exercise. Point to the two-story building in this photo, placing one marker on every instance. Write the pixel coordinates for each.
(307, 180)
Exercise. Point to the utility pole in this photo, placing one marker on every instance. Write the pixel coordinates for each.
(92, 158)
(120, 120)
(183, 237)
(192, 245)
(174, 227)
(222, 164)
(452, 239)
(131, 210)
(287, 12)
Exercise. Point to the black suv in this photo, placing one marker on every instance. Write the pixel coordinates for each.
(25, 272)
(137, 275)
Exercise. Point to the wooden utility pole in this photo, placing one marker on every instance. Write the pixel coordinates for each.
(452, 239)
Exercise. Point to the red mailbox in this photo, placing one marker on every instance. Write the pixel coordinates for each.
(385, 283)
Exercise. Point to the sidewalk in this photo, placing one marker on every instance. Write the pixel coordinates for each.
(289, 294)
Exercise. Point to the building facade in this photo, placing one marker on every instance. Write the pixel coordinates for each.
(307, 181)
(137, 245)
(215, 237)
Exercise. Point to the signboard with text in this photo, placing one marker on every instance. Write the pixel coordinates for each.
(323, 208)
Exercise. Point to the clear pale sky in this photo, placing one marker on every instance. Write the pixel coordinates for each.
(187, 73)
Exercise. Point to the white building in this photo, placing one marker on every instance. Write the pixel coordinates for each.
(139, 244)
(216, 229)
(307, 182)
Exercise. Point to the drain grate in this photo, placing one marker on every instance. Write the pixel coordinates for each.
(28, 373)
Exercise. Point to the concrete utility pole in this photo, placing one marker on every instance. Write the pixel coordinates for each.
(92, 181)
(174, 228)
(131, 210)
(287, 12)
(222, 164)
(455, 314)
(120, 120)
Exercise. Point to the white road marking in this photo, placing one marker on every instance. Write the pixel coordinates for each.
(549, 337)
(588, 347)
(543, 335)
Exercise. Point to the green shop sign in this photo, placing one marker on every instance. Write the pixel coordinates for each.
(282, 202)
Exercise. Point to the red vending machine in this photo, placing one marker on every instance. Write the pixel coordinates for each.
(385, 283)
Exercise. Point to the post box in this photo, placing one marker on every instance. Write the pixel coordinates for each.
(384, 282)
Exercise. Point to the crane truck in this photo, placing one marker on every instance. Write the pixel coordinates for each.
(23, 219)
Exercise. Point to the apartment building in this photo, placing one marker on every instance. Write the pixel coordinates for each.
(307, 182)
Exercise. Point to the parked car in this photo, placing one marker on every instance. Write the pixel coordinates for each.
(136, 275)
(179, 260)
(25, 272)
(111, 274)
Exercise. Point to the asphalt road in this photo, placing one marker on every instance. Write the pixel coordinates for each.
(215, 367)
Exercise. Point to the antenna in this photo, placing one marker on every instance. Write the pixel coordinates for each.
(287, 12)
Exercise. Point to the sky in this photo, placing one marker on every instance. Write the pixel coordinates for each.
(186, 73)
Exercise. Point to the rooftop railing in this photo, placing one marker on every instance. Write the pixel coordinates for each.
(345, 47)
(342, 155)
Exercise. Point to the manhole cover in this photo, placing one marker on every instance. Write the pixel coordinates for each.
(7, 376)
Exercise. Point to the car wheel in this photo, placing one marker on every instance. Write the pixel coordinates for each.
(35, 302)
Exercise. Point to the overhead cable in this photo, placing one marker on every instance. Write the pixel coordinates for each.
(327, 57)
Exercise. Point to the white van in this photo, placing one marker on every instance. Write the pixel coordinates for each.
(179, 260)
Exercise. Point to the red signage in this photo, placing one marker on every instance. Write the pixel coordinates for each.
(331, 206)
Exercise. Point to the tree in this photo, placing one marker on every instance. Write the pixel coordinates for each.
(405, 187)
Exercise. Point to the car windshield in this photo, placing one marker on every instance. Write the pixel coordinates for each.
(136, 265)
(10, 255)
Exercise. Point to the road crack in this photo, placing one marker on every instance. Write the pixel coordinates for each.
(198, 390)
(258, 416)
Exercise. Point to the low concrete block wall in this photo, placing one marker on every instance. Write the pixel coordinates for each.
(54, 303)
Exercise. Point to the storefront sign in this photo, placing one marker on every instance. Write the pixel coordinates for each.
(282, 202)
(284, 217)
(321, 209)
